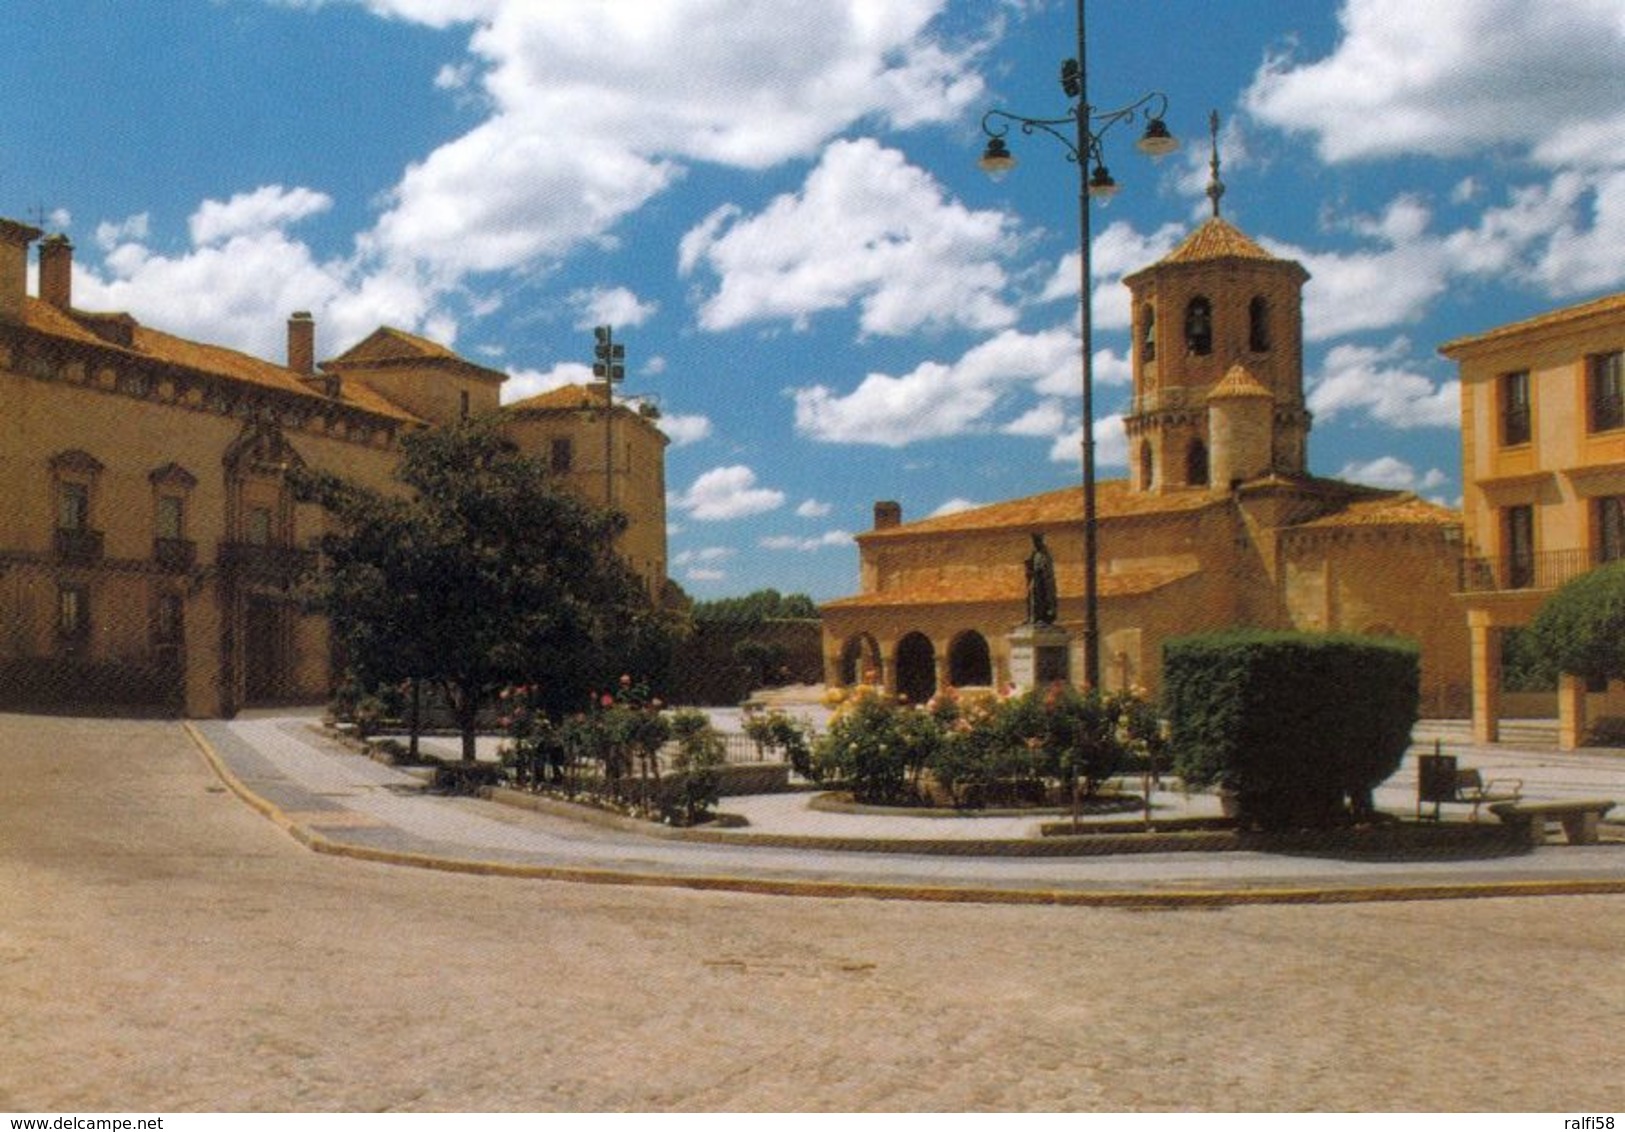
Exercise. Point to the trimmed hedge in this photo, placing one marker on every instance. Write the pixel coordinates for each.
(1302, 727)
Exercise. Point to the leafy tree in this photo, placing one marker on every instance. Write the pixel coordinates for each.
(754, 608)
(1581, 628)
(480, 574)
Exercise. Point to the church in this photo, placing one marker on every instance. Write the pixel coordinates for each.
(1219, 523)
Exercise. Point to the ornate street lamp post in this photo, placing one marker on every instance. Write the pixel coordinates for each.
(1088, 125)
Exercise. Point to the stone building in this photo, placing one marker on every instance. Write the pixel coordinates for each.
(149, 544)
(1218, 524)
(1543, 460)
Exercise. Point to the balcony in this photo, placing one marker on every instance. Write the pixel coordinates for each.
(78, 546)
(266, 562)
(1544, 571)
(174, 555)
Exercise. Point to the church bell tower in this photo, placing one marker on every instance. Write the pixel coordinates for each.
(1217, 360)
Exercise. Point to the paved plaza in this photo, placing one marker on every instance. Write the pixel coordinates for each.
(164, 946)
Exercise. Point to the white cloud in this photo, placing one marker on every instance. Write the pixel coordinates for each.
(571, 146)
(1456, 78)
(1374, 382)
(1394, 473)
(704, 564)
(866, 228)
(610, 306)
(1117, 251)
(132, 229)
(267, 209)
(937, 400)
(727, 493)
(1111, 445)
(685, 428)
(807, 545)
(523, 383)
(955, 506)
(813, 509)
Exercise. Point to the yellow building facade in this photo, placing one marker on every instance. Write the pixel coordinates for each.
(1217, 525)
(149, 545)
(1543, 459)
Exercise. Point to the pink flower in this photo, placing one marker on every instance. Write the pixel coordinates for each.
(606, 700)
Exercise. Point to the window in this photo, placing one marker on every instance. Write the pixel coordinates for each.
(1199, 326)
(168, 622)
(1147, 466)
(1258, 325)
(72, 506)
(1148, 333)
(72, 614)
(1610, 529)
(1520, 547)
(462, 405)
(1515, 407)
(1196, 464)
(563, 454)
(171, 517)
(1605, 390)
(257, 526)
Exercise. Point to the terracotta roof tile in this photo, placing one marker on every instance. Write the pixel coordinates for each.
(202, 357)
(1053, 508)
(1239, 382)
(1216, 238)
(1392, 509)
(1007, 584)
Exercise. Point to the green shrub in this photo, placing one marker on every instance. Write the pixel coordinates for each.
(693, 794)
(776, 731)
(877, 749)
(1295, 724)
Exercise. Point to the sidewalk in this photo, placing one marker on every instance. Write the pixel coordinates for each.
(340, 802)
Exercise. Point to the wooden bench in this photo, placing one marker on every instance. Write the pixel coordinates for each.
(1440, 782)
(1579, 818)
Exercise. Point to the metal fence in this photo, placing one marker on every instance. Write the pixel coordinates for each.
(1544, 571)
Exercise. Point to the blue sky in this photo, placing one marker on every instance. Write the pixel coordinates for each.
(776, 204)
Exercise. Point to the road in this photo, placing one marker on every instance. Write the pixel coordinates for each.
(163, 947)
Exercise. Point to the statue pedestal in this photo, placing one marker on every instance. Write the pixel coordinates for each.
(1039, 656)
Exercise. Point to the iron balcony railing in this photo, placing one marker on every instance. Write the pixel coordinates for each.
(174, 555)
(78, 546)
(1544, 571)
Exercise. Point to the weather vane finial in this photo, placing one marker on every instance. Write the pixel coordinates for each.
(1215, 187)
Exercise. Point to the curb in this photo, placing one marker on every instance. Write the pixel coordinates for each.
(957, 894)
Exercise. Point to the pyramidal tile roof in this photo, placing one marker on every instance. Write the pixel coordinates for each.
(1216, 238)
(1239, 382)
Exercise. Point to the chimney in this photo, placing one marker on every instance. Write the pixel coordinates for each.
(14, 241)
(302, 344)
(888, 514)
(56, 271)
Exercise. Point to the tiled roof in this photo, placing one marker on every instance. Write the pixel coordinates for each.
(1216, 238)
(1239, 382)
(564, 397)
(390, 346)
(1053, 508)
(1007, 583)
(1608, 304)
(1387, 510)
(201, 357)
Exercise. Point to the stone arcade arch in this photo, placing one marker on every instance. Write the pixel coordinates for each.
(916, 668)
(860, 661)
(970, 661)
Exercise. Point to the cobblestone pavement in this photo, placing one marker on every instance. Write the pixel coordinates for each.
(163, 947)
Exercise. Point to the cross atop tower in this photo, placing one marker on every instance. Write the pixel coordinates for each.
(1215, 187)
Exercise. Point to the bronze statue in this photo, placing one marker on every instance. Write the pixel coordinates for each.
(1040, 584)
